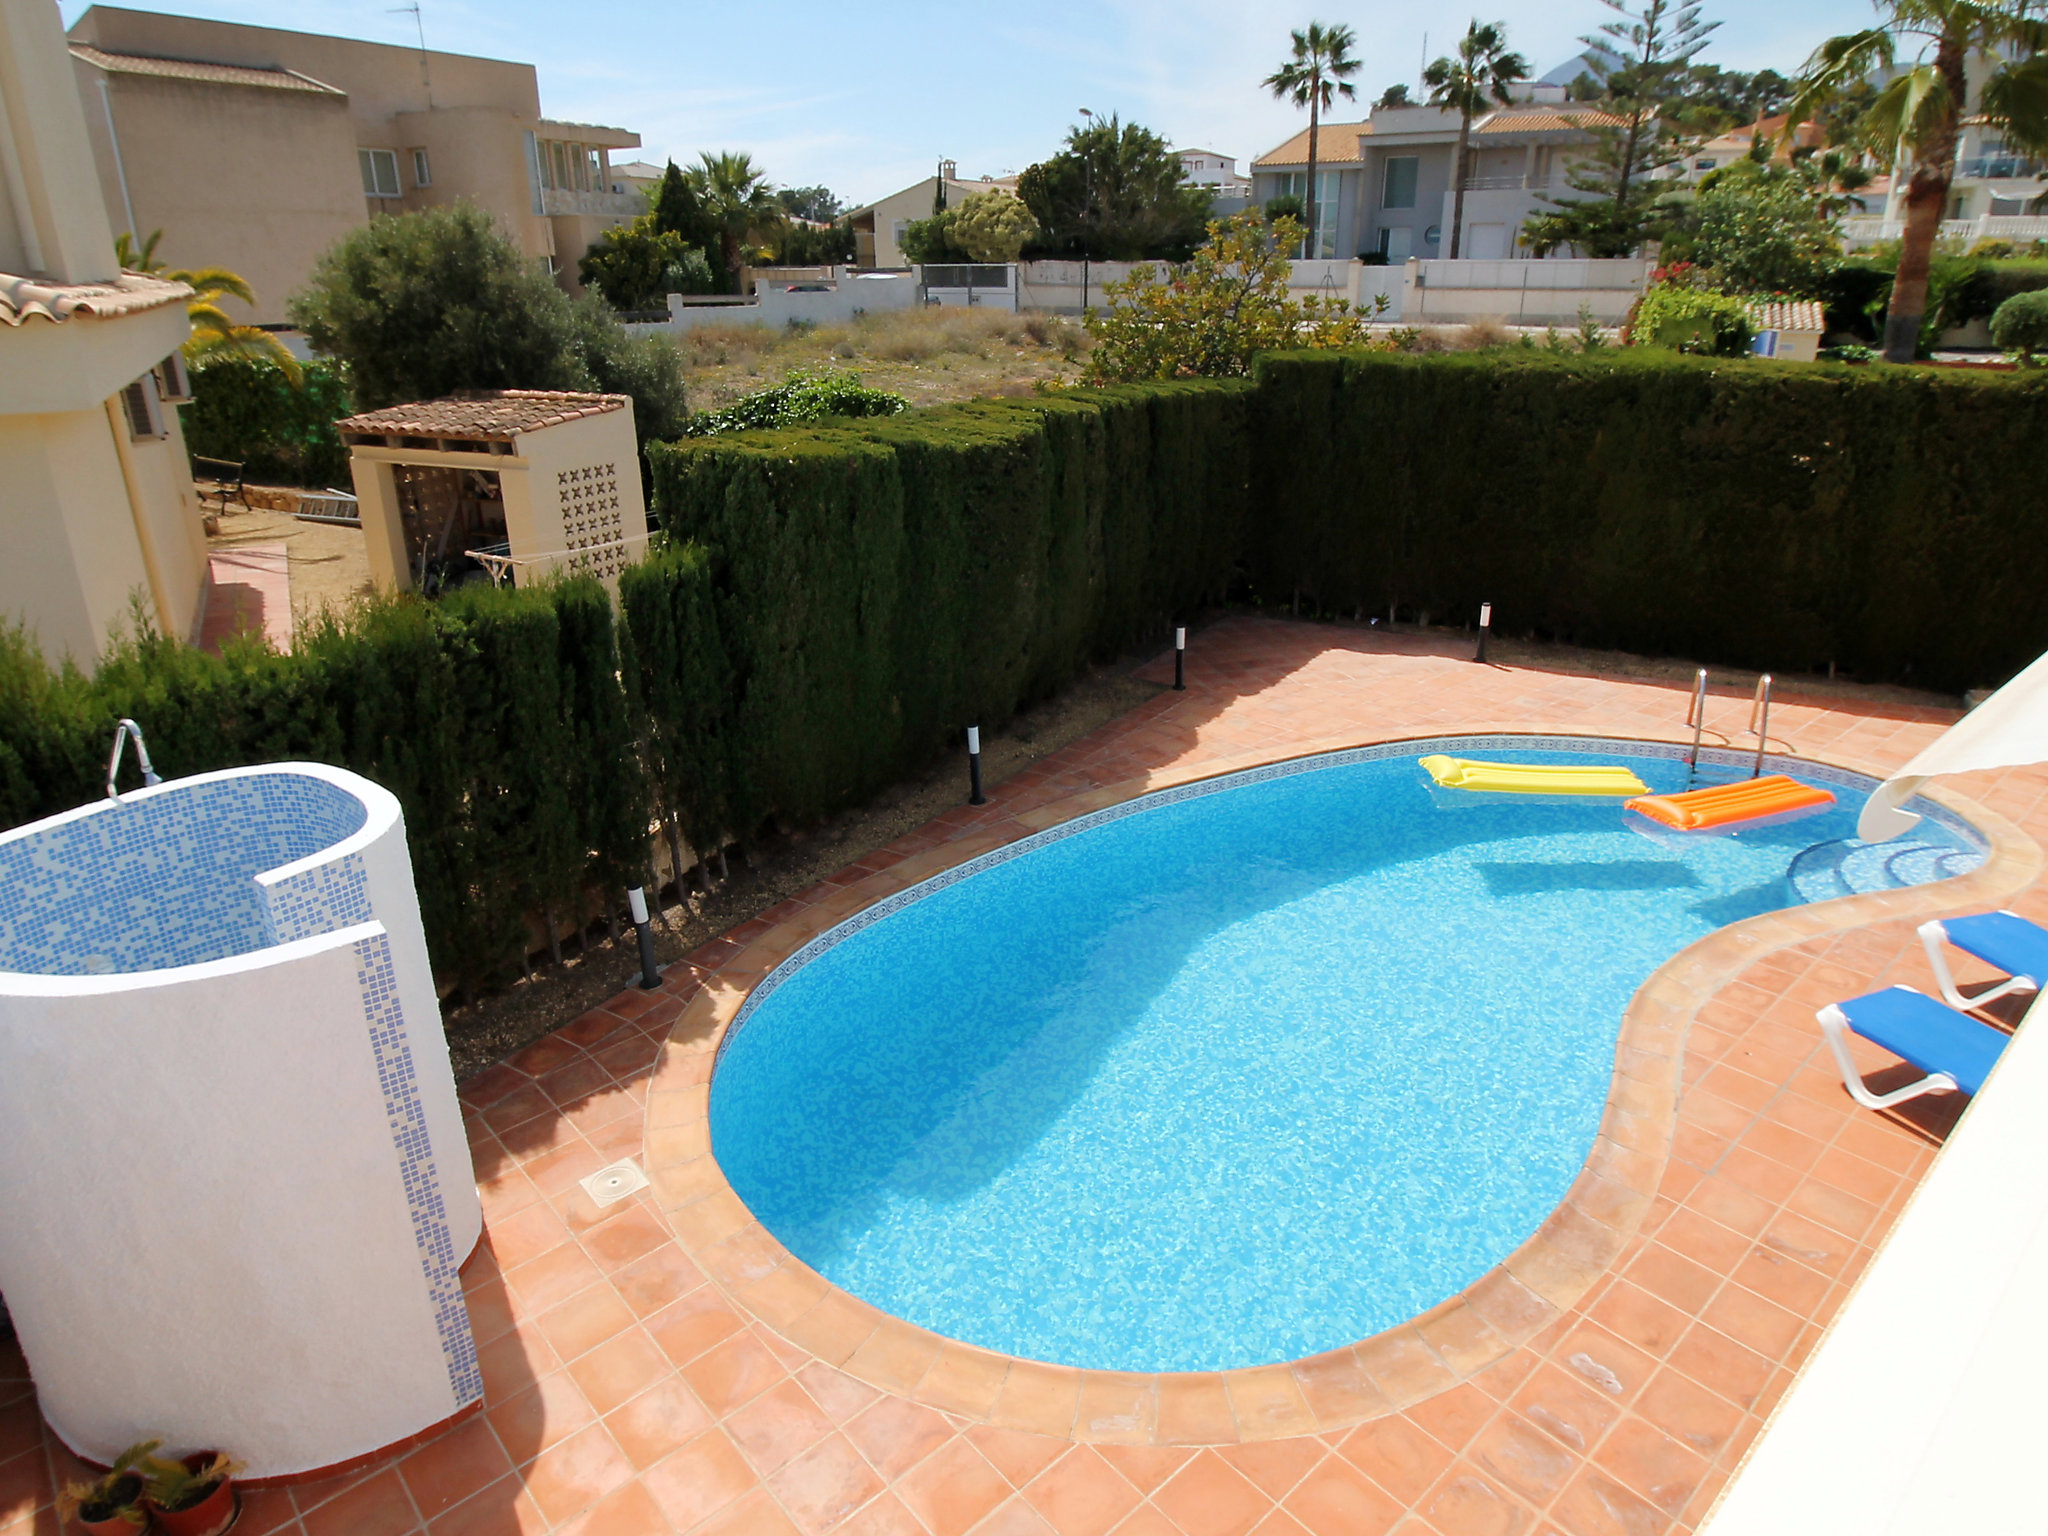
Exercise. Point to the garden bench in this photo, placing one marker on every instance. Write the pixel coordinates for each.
(221, 478)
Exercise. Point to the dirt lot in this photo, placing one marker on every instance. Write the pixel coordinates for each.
(929, 356)
(330, 568)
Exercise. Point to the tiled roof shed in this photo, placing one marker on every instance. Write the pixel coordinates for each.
(486, 416)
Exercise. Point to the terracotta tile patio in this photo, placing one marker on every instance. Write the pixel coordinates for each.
(661, 1367)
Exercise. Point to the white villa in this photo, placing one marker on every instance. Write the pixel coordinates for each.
(1384, 189)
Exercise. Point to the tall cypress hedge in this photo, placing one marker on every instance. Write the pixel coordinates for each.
(1888, 521)
(831, 605)
(875, 586)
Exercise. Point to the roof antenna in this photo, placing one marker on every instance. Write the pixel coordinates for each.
(1421, 79)
(419, 22)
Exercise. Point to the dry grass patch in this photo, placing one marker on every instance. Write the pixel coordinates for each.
(932, 356)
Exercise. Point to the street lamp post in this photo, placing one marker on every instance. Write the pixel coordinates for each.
(1087, 208)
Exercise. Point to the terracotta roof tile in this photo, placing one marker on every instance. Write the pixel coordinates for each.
(200, 69)
(130, 293)
(1787, 315)
(485, 416)
(1337, 144)
(1541, 119)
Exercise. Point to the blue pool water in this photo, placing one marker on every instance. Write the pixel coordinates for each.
(1237, 1074)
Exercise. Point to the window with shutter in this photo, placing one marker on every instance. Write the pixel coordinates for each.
(173, 381)
(139, 401)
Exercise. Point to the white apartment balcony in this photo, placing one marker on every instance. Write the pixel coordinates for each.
(592, 205)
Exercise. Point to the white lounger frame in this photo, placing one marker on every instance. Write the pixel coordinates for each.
(1933, 938)
(1835, 1025)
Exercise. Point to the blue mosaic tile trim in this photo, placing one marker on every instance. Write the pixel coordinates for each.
(163, 881)
(397, 1077)
(1715, 757)
(320, 900)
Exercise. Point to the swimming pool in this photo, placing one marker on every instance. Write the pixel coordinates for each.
(1246, 1070)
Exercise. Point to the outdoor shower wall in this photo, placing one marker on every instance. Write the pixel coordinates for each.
(235, 1192)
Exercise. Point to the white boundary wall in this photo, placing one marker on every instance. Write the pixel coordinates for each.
(1547, 292)
(773, 305)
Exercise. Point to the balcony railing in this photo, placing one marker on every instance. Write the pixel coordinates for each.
(1999, 168)
(593, 205)
(1870, 231)
(1511, 183)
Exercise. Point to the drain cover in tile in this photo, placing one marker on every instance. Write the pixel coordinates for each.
(610, 1185)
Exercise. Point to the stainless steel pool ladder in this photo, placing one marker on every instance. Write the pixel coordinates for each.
(1696, 717)
(122, 732)
(1759, 722)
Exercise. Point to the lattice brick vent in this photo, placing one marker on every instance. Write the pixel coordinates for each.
(593, 532)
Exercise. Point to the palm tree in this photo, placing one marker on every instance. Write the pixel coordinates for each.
(1920, 113)
(214, 331)
(738, 199)
(1468, 84)
(1314, 77)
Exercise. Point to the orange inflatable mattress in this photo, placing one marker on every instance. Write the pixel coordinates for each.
(1721, 805)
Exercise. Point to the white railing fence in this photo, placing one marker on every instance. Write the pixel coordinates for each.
(1861, 233)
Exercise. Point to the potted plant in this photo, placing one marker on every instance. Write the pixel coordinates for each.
(193, 1495)
(111, 1504)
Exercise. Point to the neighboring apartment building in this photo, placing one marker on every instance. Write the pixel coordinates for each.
(1993, 180)
(255, 148)
(1215, 173)
(642, 176)
(878, 227)
(96, 503)
(1383, 186)
(1724, 150)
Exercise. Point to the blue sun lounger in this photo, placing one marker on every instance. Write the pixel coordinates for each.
(2002, 939)
(1956, 1051)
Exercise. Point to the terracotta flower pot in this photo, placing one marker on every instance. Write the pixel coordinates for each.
(210, 1516)
(113, 1522)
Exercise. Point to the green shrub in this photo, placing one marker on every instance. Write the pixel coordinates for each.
(1696, 320)
(422, 305)
(246, 410)
(806, 394)
(1774, 515)
(2021, 324)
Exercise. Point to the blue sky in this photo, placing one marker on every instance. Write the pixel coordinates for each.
(865, 98)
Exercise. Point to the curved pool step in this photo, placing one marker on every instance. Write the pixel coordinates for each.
(1845, 867)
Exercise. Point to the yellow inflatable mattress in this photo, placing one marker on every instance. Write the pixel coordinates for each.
(1530, 778)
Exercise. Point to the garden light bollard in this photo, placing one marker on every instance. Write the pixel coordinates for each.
(650, 973)
(1485, 628)
(1180, 656)
(974, 794)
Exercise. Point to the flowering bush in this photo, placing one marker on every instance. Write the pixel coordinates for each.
(1211, 317)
